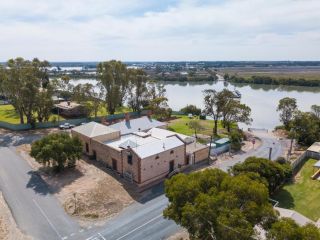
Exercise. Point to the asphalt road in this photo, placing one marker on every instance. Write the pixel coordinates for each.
(39, 214)
(35, 209)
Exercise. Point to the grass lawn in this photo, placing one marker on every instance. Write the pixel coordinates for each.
(303, 195)
(103, 111)
(9, 115)
(180, 125)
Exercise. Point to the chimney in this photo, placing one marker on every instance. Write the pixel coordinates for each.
(127, 117)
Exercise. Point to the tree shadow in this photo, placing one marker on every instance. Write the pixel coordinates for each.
(54, 181)
(37, 184)
(285, 199)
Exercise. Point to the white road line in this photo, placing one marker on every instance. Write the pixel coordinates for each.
(101, 236)
(50, 223)
(137, 228)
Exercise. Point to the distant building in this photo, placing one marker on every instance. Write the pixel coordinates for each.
(70, 109)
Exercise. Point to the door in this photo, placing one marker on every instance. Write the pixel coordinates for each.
(114, 165)
(87, 147)
(171, 166)
(94, 155)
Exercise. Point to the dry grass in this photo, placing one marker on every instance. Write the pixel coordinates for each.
(88, 191)
(8, 227)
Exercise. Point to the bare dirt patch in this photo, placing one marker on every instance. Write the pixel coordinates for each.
(8, 227)
(89, 191)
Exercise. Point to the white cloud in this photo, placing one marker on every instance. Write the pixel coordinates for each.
(144, 30)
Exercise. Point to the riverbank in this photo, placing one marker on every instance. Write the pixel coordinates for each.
(275, 80)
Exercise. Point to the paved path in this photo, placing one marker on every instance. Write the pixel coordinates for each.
(268, 141)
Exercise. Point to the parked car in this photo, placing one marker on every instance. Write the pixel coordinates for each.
(66, 126)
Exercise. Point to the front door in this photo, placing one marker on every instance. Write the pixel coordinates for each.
(114, 165)
(171, 166)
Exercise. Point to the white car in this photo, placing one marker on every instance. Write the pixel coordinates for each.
(66, 126)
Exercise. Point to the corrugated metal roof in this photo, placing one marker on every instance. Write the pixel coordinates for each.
(163, 133)
(93, 129)
(157, 147)
(222, 140)
(315, 147)
(127, 144)
(146, 146)
(136, 125)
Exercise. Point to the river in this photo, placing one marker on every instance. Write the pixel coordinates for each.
(262, 99)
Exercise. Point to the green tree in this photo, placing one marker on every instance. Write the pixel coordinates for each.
(44, 103)
(22, 83)
(235, 140)
(138, 89)
(316, 110)
(287, 107)
(306, 128)
(91, 98)
(273, 173)
(193, 109)
(214, 103)
(287, 229)
(57, 150)
(196, 126)
(113, 76)
(234, 111)
(214, 205)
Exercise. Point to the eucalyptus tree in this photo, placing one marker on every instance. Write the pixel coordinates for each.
(113, 77)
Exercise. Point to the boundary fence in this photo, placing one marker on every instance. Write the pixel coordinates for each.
(75, 121)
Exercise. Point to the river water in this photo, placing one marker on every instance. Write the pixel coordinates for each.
(262, 99)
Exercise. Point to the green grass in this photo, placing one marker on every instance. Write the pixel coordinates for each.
(9, 115)
(303, 195)
(180, 125)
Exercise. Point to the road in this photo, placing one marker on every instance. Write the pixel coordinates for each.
(39, 214)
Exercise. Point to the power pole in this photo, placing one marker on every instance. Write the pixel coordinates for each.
(270, 152)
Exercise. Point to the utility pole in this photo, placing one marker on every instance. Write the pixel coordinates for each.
(270, 152)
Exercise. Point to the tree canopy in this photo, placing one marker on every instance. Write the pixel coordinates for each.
(287, 107)
(287, 229)
(24, 82)
(273, 173)
(57, 150)
(214, 205)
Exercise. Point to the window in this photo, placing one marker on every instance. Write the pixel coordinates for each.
(171, 152)
(87, 147)
(129, 158)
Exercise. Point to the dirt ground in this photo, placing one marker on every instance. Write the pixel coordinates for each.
(8, 227)
(181, 235)
(88, 192)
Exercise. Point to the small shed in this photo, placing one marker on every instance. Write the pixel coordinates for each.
(314, 151)
(222, 142)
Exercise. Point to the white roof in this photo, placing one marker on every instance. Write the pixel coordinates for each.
(136, 125)
(315, 147)
(163, 133)
(145, 146)
(93, 129)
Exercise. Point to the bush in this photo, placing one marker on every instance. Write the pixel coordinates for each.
(281, 160)
(235, 139)
(57, 150)
(191, 109)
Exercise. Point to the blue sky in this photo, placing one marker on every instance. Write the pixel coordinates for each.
(153, 30)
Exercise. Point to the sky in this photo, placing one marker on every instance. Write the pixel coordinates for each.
(160, 30)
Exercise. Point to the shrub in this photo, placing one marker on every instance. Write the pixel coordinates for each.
(191, 109)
